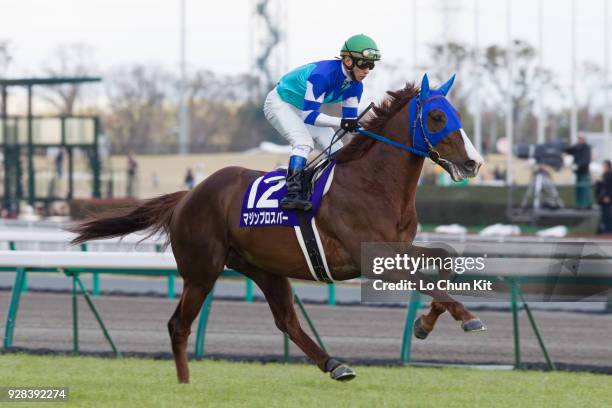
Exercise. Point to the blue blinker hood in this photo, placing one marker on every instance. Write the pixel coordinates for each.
(425, 102)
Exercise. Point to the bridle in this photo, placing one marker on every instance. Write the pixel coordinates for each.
(431, 152)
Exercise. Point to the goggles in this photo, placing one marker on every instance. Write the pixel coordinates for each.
(371, 54)
(363, 63)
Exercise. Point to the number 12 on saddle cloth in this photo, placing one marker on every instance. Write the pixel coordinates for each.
(261, 201)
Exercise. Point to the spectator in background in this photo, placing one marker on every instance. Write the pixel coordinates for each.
(581, 152)
(189, 179)
(199, 173)
(499, 174)
(132, 170)
(59, 162)
(603, 190)
(155, 180)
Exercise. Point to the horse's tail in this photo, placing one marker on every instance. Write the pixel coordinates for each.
(154, 214)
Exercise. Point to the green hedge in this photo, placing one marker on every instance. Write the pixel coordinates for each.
(476, 205)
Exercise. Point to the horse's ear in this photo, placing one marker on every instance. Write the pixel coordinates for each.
(424, 88)
(445, 87)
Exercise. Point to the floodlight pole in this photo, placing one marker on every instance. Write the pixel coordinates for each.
(415, 38)
(509, 104)
(95, 160)
(7, 167)
(477, 114)
(607, 84)
(183, 142)
(541, 115)
(574, 110)
(31, 174)
(446, 36)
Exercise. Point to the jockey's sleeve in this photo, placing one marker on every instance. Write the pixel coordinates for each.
(351, 99)
(315, 94)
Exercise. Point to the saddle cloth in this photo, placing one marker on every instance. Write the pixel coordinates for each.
(261, 207)
(261, 202)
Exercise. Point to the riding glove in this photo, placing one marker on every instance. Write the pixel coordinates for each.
(349, 125)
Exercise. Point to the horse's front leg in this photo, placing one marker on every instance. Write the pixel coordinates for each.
(442, 301)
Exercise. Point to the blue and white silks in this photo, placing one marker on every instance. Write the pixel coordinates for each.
(323, 82)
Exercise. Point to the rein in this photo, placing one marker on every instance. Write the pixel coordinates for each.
(392, 142)
(431, 152)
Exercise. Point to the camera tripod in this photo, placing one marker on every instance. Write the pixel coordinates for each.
(541, 192)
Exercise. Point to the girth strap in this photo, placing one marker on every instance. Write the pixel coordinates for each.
(311, 249)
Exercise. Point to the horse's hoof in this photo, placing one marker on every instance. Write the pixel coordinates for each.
(418, 330)
(473, 325)
(339, 371)
(342, 373)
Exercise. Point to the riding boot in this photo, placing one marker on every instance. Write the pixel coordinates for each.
(296, 196)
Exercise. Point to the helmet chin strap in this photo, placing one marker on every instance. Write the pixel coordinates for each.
(350, 69)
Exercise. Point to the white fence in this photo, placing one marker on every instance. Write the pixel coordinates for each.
(120, 261)
(58, 240)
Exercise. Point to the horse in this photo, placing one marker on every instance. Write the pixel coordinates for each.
(372, 199)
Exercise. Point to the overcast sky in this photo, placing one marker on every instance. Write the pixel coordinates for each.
(145, 31)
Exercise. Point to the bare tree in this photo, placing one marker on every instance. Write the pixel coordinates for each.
(72, 60)
(209, 101)
(527, 81)
(140, 113)
(217, 110)
(592, 85)
(461, 58)
(6, 56)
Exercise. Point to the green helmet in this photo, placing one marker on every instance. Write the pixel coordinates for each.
(361, 46)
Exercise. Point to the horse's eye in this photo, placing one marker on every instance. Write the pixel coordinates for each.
(438, 118)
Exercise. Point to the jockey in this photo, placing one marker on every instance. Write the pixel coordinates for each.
(292, 107)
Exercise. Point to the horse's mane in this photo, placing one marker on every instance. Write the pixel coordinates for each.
(384, 111)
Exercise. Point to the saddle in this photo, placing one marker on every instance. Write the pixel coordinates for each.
(310, 175)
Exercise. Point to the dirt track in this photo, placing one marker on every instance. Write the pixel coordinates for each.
(365, 334)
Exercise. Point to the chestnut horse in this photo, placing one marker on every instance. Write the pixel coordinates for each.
(372, 199)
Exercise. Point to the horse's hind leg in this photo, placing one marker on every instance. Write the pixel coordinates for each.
(179, 325)
(200, 251)
(425, 323)
(279, 295)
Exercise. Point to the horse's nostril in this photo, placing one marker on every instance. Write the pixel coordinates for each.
(470, 164)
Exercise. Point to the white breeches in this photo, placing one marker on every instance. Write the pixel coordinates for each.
(287, 120)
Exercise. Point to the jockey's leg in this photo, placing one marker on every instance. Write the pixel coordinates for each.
(287, 120)
(296, 196)
(324, 136)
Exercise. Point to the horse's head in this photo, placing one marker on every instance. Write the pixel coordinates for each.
(436, 130)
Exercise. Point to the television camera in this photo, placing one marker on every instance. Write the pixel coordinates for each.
(541, 192)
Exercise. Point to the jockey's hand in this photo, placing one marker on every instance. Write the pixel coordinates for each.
(350, 125)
